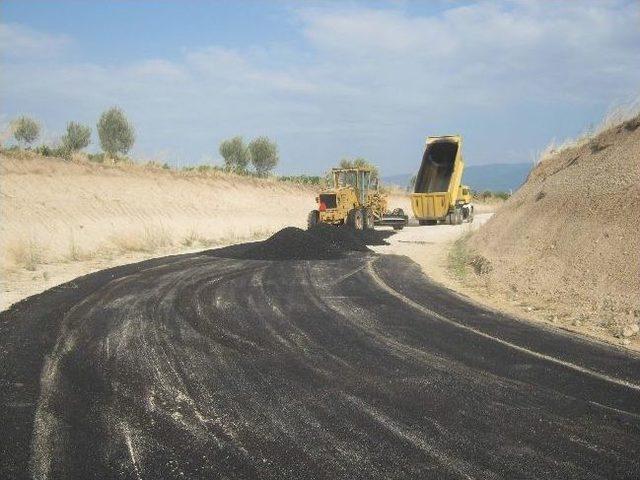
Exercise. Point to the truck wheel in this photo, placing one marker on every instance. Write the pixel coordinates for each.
(313, 219)
(369, 220)
(355, 219)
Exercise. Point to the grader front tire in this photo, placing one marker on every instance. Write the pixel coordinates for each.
(313, 219)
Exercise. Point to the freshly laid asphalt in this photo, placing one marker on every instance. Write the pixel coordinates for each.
(302, 357)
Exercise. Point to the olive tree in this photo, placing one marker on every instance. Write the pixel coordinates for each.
(264, 155)
(235, 154)
(26, 130)
(77, 137)
(115, 132)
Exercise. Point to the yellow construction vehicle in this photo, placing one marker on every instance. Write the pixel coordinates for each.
(355, 200)
(438, 195)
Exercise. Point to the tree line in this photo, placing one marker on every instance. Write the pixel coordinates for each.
(115, 132)
(261, 152)
(117, 135)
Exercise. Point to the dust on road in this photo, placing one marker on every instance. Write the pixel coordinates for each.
(305, 356)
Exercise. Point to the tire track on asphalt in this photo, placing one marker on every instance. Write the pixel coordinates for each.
(215, 365)
(475, 331)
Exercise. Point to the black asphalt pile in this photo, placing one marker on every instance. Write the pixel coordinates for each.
(320, 243)
(292, 244)
(341, 239)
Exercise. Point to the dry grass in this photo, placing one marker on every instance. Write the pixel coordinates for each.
(148, 240)
(62, 215)
(614, 117)
(193, 239)
(27, 254)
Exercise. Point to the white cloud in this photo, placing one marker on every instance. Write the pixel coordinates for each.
(488, 52)
(20, 42)
(359, 81)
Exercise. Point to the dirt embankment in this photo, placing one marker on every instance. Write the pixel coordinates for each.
(63, 219)
(564, 247)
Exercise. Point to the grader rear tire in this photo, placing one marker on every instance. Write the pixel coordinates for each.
(369, 220)
(355, 219)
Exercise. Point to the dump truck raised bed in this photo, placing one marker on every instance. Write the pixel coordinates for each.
(438, 195)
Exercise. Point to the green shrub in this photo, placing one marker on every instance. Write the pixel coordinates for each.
(304, 179)
(115, 132)
(96, 157)
(77, 137)
(48, 151)
(26, 131)
(264, 155)
(235, 154)
(488, 195)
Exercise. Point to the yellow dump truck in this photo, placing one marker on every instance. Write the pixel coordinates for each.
(438, 194)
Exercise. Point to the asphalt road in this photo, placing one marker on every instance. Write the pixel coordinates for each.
(241, 363)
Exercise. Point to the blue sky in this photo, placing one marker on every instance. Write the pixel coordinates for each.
(323, 79)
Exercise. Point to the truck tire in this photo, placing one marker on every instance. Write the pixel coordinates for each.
(313, 219)
(355, 219)
(369, 220)
(428, 222)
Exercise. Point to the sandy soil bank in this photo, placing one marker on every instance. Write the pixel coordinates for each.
(566, 244)
(64, 219)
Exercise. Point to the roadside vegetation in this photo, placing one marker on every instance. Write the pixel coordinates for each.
(116, 137)
(26, 131)
(463, 260)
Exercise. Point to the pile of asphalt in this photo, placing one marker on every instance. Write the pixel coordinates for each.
(342, 239)
(322, 242)
(319, 243)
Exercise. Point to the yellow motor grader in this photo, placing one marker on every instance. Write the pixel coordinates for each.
(355, 200)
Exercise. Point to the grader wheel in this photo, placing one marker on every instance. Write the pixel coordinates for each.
(313, 219)
(355, 219)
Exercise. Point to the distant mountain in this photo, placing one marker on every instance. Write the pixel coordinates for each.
(496, 176)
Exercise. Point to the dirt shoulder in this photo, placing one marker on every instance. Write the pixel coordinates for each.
(429, 246)
(441, 253)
